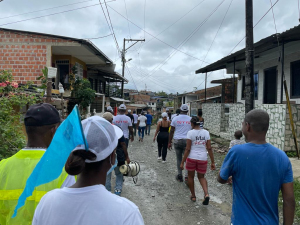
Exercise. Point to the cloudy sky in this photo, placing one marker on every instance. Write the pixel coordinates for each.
(179, 34)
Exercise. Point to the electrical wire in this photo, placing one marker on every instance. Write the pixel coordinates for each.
(112, 26)
(6, 17)
(145, 19)
(184, 41)
(127, 18)
(98, 37)
(52, 14)
(215, 36)
(153, 35)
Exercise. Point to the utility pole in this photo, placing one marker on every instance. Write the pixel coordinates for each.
(124, 60)
(205, 85)
(249, 82)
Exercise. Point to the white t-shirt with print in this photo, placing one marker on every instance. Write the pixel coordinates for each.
(123, 122)
(135, 116)
(92, 205)
(142, 120)
(236, 142)
(182, 124)
(199, 139)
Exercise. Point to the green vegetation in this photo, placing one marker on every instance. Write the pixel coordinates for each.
(291, 154)
(12, 99)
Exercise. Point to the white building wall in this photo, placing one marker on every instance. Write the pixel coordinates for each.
(260, 67)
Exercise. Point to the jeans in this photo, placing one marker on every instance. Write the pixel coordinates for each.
(119, 180)
(162, 149)
(141, 132)
(148, 128)
(134, 128)
(179, 145)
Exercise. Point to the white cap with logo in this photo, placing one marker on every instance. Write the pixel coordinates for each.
(122, 106)
(102, 137)
(184, 108)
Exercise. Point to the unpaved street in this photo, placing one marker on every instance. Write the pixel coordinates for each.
(163, 200)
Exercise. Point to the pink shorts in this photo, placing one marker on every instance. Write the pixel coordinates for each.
(196, 165)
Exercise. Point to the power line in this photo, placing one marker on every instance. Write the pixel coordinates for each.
(127, 18)
(154, 36)
(215, 36)
(52, 14)
(112, 26)
(44, 9)
(185, 40)
(145, 19)
(98, 37)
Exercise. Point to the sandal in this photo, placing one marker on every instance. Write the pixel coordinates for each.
(206, 200)
(193, 198)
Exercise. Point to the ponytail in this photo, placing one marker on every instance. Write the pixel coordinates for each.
(76, 161)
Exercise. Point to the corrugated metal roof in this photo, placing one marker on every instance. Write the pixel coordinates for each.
(263, 45)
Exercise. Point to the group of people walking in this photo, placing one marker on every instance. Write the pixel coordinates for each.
(256, 169)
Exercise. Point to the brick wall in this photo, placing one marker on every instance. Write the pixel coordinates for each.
(140, 97)
(25, 54)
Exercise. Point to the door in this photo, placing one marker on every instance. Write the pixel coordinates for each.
(270, 86)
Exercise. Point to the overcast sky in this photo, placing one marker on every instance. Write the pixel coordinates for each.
(155, 63)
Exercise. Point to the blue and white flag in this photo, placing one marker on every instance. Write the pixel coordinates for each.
(67, 136)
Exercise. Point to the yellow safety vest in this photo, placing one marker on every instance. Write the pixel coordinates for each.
(14, 173)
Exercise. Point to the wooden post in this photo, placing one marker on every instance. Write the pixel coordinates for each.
(249, 82)
(233, 82)
(282, 71)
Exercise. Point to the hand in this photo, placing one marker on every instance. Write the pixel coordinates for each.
(212, 166)
(132, 139)
(128, 160)
(182, 166)
(154, 139)
(170, 146)
(229, 181)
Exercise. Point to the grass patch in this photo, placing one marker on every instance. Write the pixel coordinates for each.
(291, 154)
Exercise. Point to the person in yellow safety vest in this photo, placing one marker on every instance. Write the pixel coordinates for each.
(41, 121)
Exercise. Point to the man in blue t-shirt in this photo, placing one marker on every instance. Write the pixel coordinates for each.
(149, 122)
(259, 170)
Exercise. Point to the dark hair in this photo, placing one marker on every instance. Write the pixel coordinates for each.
(134, 111)
(238, 134)
(195, 120)
(200, 112)
(177, 111)
(76, 161)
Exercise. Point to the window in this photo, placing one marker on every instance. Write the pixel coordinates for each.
(295, 79)
(79, 74)
(255, 79)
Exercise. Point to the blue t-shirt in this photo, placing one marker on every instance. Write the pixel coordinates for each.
(258, 171)
(149, 119)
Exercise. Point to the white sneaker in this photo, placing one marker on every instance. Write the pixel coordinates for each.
(159, 159)
(164, 161)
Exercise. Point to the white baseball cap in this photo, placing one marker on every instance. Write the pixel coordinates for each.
(184, 108)
(164, 115)
(122, 106)
(102, 137)
(167, 109)
(129, 110)
(109, 108)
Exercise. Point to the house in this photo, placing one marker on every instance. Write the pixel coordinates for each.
(276, 58)
(27, 53)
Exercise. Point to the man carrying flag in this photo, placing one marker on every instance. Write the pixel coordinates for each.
(41, 122)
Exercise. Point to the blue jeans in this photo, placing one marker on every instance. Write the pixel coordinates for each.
(148, 128)
(141, 132)
(119, 180)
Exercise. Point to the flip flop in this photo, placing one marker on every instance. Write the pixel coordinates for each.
(193, 198)
(206, 200)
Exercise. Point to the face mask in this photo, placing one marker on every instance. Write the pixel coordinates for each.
(112, 166)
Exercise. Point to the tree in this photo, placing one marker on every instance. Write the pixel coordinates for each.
(12, 99)
(162, 93)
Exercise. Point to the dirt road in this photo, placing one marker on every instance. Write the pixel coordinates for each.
(163, 200)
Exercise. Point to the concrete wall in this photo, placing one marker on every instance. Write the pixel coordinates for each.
(212, 114)
(212, 117)
(289, 139)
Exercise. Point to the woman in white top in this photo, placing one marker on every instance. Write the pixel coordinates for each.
(142, 121)
(195, 157)
(88, 202)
